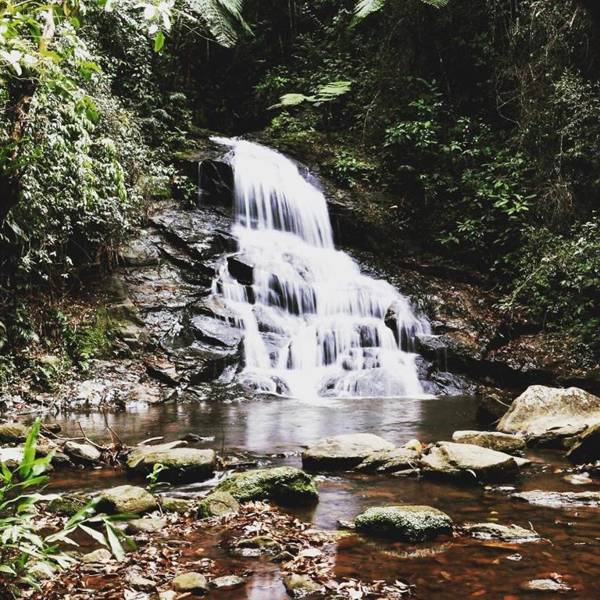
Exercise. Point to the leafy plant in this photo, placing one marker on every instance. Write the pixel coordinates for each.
(153, 478)
(364, 8)
(323, 94)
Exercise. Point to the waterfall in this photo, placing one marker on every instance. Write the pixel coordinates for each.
(313, 324)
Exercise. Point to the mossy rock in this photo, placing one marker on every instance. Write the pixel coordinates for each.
(127, 499)
(284, 485)
(409, 523)
(67, 504)
(177, 505)
(217, 504)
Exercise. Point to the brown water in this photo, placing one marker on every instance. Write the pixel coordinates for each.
(272, 431)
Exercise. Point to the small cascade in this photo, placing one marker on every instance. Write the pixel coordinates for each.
(313, 324)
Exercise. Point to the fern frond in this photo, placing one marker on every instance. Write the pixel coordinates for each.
(364, 8)
(222, 18)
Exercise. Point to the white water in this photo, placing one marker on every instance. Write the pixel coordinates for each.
(313, 324)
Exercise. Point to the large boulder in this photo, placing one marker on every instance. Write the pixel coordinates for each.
(284, 485)
(180, 464)
(127, 499)
(468, 461)
(343, 451)
(494, 440)
(542, 413)
(410, 523)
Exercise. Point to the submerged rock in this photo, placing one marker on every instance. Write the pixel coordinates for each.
(468, 461)
(409, 523)
(217, 504)
(560, 499)
(285, 485)
(505, 533)
(343, 451)
(180, 464)
(543, 413)
(127, 499)
(545, 585)
(494, 440)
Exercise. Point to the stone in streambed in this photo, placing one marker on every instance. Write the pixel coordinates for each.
(545, 585)
(67, 504)
(12, 432)
(504, 533)
(100, 556)
(176, 505)
(190, 582)
(217, 504)
(301, 586)
(343, 451)
(390, 461)
(146, 525)
(227, 582)
(586, 446)
(560, 499)
(127, 499)
(409, 523)
(546, 414)
(180, 464)
(493, 440)
(82, 452)
(449, 459)
(284, 485)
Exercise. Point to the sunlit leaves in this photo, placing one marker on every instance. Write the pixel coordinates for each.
(364, 8)
(323, 94)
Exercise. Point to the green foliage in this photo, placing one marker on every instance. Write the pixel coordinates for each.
(153, 478)
(348, 169)
(25, 551)
(323, 94)
(364, 8)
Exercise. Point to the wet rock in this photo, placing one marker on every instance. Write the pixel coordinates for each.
(389, 461)
(492, 404)
(301, 586)
(67, 504)
(177, 505)
(545, 585)
(216, 182)
(227, 582)
(140, 251)
(163, 370)
(343, 451)
(560, 499)
(468, 461)
(12, 432)
(284, 485)
(258, 545)
(409, 523)
(217, 504)
(215, 331)
(542, 411)
(82, 452)
(505, 533)
(241, 269)
(494, 440)
(127, 499)
(180, 464)
(586, 446)
(147, 525)
(100, 556)
(190, 582)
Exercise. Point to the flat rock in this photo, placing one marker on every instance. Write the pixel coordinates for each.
(227, 581)
(147, 525)
(11, 457)
(390, 461)
(127, 499)
(505, 533)
(410, 523)
(12, 432)
(468, 461)
(83, 452)
(180, 464)
(177, 505)
(343, 451)
(101, 556)
(284, 485)
(217, 504)
(190, 582)
(560, 499)
(540, 410)
(545, 585)
(494, 440)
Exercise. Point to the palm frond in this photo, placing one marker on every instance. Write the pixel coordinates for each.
(223, 18)
(364, 8)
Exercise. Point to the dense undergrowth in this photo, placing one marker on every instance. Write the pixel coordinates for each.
(481, 121)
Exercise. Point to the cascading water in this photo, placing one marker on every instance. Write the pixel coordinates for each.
(313, 324)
